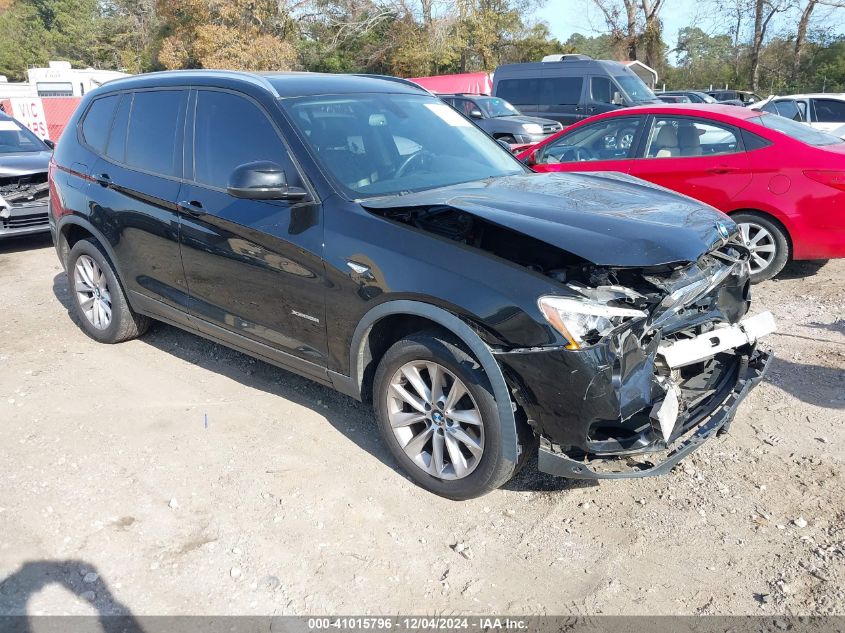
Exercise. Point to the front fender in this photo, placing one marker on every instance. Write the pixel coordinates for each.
(352, 384)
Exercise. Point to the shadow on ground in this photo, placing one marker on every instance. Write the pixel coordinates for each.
(11, 245)
(798, 269)
(77, 577)
(814, 384)
(349, 417)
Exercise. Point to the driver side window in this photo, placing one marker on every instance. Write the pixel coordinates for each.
(611, 139)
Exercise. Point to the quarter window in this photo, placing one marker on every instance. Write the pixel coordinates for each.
(230, 131)
(153, 141)
(95, 127)
(682, 137)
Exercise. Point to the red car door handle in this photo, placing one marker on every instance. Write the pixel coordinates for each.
(721, 169)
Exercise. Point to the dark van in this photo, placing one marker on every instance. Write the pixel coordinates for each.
(569, 90)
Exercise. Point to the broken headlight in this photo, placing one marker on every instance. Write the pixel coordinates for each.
(584, 322)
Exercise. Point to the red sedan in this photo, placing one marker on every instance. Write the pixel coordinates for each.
(783, 182)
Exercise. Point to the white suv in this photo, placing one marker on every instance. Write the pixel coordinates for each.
(825, 111)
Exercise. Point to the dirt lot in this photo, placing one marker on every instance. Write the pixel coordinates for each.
(170, 475)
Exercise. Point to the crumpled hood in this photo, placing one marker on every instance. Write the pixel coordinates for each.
(23, 163)
(609, 219)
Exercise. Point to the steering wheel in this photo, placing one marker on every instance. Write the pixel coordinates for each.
(624, 138)
(577, 153)
(417, 159)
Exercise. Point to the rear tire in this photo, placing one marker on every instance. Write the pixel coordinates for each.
(768, 242)
(415, 391)
(97, 299)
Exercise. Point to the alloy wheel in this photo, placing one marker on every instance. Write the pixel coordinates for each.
(92, 292)
(435, 420)
(761, 243)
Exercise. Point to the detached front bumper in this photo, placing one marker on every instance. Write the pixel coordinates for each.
(648, 464)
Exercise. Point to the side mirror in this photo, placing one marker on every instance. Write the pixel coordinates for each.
(530, 158)
(262, 180)
(475, 113)
(617, 99)
(49, 143)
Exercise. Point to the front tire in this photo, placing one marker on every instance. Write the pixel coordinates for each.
(97, 299)
(437, 415)
(767, 241)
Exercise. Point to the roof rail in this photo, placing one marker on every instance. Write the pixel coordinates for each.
(566, 57)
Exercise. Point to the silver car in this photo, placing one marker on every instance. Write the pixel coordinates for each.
(23, 179)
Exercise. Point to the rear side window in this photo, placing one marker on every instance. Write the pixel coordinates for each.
(97, 122)
(684, 137)
(116, 148)
(230, 130)
(788, 108)
(519, 91)
(152, 143)
(561, 91)
(829, 110)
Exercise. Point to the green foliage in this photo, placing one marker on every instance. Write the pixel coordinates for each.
(399, 37)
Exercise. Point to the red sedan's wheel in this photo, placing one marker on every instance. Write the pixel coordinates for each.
(767, 242)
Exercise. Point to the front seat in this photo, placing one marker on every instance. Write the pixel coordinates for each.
(666, 143)
(331, 138)
(688, 140)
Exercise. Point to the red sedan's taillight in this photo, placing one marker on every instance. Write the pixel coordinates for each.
(835, 179)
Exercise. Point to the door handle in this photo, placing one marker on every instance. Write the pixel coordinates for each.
(721, 169)
(191, 207)
(103, 180)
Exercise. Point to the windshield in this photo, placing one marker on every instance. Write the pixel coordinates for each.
(635, 88)
(15, 138)
(793, 129)
(493, 107)
(385, 144)
(708, 98)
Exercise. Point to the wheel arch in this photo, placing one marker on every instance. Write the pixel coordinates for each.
(388, 322)
(71, 229)
(771, 217)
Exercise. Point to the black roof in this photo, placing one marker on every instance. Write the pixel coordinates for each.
(280, 84)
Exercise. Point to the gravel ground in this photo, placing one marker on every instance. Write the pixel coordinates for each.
(169, 475)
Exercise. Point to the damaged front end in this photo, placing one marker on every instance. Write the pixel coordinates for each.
(657, 361)
(23, 203)
(646, 292)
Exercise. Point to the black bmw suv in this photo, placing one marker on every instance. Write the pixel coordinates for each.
(360, 232)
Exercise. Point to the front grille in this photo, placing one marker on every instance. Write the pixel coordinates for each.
(551, 128)
(26, 221)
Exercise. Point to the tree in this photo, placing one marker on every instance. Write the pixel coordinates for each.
(764, 11)
(236, 34)
(636, 27)
(803, 25)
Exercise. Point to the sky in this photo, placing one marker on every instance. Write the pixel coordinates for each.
(566, 17)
